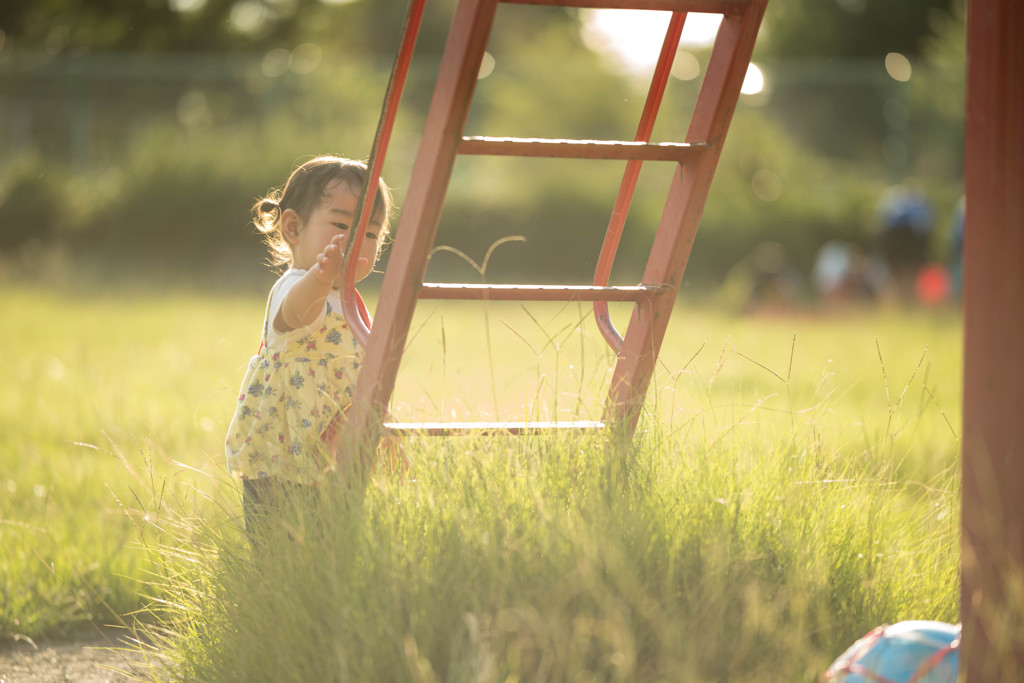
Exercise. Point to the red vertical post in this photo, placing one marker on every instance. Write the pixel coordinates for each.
(621, 207)
(992, 542)
(678, 227)
(414, 237)
(374, 164)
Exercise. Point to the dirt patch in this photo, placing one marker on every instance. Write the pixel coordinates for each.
(103, 658)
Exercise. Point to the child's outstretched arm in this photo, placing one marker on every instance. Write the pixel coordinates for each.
(304, 302)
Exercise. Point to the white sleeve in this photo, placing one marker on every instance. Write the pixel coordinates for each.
(276, 339)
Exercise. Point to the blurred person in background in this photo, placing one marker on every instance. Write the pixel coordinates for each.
(907, 224)
(844, 274)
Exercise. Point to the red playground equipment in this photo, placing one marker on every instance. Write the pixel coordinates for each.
(442, 140)
(993, 469)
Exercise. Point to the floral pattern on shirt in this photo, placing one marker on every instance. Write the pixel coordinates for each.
(289, 396)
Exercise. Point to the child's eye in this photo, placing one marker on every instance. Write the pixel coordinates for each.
(341, 226)
(371, 235)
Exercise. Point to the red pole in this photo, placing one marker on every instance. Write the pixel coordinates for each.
(632, 173)
(376, 162)
(417, 226)
(992, 550)
(681, 216)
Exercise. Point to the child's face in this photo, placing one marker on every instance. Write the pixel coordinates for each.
(334, 216)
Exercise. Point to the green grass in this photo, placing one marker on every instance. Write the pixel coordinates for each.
(794, 483)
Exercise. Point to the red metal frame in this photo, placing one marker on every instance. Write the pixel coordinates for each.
(992, 524)
(678, 228)
(442, 141)
(364, 208)
(403, 278)
(625, 197)
(993, 509)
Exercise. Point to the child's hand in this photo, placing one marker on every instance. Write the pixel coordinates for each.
(329, 261)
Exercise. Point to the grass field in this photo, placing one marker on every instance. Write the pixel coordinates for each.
(794, 484)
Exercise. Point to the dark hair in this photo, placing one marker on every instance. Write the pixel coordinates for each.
(305, 188)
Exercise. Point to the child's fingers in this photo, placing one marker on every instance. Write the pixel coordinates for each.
(335, 247)
(330, 256)
(328, 259)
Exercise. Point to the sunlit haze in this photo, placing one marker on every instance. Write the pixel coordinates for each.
(634, 38)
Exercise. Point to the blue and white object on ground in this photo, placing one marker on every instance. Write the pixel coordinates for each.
(907, 652)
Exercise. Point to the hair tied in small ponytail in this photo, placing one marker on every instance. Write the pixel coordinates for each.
(269, 206)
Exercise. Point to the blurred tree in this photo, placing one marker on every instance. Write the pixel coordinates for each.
(848, 28)
(936, 106)
(55, 26)
(840, 69)
(797, 28)
(941, 99)
(229, 94)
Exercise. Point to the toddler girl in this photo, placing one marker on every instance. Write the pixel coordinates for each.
(298, 386)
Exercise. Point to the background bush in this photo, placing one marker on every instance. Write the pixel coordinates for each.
(174, 147)
(184, 198)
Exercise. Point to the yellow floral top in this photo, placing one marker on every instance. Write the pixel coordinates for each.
(293, 389)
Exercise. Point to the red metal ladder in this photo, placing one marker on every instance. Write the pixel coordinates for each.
(443, 140)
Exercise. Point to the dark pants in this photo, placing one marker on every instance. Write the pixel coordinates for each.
(904, 249)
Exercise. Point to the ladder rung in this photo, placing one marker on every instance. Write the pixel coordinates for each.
(487, 428)
(583, 149)
(707, 6)
(436, 290)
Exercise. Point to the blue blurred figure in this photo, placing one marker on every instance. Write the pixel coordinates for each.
(907, 224)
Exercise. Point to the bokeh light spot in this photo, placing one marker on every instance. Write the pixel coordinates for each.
(186, 6)
(248, 16)
(685, 66)
(275, 62)
(486, 66)
(305, 58)
(898, 66)
(766, 185)
(634, 37)
(753, 82)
